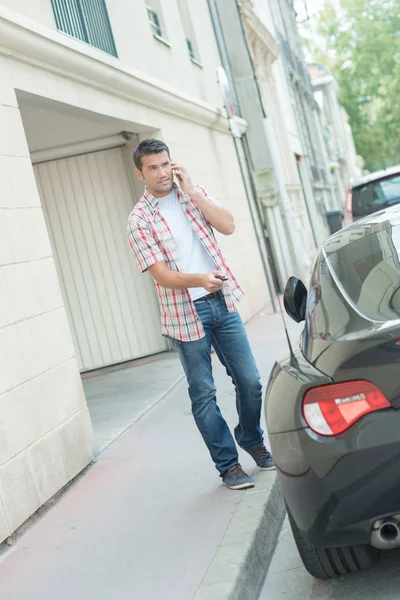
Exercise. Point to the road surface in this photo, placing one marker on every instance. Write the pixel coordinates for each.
(288, 580)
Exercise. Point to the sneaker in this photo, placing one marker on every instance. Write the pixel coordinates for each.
(236, 479)
(262, 457)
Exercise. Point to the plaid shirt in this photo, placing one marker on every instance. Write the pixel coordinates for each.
(151, 241)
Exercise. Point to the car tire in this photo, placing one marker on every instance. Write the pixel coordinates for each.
(330, 563)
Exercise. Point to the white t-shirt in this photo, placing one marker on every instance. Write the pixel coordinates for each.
(192, 255)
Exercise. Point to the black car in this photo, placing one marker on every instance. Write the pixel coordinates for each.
(332, 407)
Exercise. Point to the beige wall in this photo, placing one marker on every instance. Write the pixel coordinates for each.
(45, 429)
(279, 104)
(38, 10)
(137, 47)
(208, 153)
(290, 229)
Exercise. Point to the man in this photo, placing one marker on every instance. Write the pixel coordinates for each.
(171, 233)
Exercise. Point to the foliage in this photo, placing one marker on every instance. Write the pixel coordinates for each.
(360, 43)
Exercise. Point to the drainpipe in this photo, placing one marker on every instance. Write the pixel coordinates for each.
(226, 64)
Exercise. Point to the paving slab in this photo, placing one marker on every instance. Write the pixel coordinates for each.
(150, 519)
(118, 396)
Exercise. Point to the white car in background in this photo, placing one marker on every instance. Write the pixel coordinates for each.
(372, 193)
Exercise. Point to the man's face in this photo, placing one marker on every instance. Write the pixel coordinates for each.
(157, 173)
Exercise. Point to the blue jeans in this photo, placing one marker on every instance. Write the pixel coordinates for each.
(226, 333)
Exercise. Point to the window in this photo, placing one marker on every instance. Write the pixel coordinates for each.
(191, 50)
(189, 31)
(154, 22)
(368, 269)
(85, 20)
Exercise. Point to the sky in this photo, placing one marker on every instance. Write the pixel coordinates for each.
(309, 8)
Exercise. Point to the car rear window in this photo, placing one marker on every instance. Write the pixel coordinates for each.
(374, 196)
(365, 261)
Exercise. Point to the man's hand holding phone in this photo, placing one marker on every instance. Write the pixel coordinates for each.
(218, 216)
(212, 282)
(183, 177)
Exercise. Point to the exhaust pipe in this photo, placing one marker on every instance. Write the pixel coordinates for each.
(389, 531)
(386, 535)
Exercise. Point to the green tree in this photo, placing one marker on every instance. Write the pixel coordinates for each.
(360, 42)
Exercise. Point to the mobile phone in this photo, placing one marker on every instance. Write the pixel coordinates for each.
(179, 178)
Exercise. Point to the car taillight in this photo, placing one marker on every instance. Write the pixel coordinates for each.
(331, 409)
(348, 213)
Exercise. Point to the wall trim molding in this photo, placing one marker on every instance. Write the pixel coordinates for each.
(261, 39)
(95, 145)
(31, 43)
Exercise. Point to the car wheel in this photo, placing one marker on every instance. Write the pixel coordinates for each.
(329, 563)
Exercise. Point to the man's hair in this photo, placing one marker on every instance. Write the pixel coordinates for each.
(150, 146)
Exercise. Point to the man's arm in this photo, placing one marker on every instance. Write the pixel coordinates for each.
(219, 217)
(150, 258)
(175, 280)
(142, 242)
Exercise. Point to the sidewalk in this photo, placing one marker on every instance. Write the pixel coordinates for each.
(118, 396)
(146, 520)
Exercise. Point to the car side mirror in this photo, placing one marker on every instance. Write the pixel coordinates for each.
(295, 299)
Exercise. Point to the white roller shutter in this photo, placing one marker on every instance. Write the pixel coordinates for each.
(112, 307)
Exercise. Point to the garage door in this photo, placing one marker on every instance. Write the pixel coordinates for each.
(112, 308)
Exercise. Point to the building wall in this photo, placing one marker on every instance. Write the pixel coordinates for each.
(302, 224)
(137, 46)
(45, 429)
(254, 146)
(317, 180)
(198, 134)
(337, 131)
(138, 49)
(355, 162)
(263, 11)
(39, 10)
